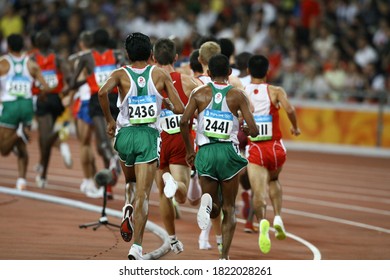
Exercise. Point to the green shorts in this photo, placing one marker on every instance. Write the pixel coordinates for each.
(14, 112)
(137, 144)
(219, 161)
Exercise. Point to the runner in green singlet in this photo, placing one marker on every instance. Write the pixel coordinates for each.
(218, 160)
(136, 131)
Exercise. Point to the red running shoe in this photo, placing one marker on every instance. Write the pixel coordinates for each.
(249, 228)
(127, 225)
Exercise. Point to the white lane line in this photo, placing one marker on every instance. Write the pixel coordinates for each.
(312, 248)
(154, 228)
(336, 220)
(336, 205)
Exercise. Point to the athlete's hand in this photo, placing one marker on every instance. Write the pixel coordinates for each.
(167, 104)
(190, 157)
(111, 126)
(295, 131)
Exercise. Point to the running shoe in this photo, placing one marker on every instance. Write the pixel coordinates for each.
(280, 232)
(249, 228)
(135, 253)
(170, 185)
(264, 241)
(22, 133)
(41, 182)
(92, 192)
(63, 133)
(204, 244)
(126, 226)
(203, 217)
(21, 184)
(176, 246)
(66, 155)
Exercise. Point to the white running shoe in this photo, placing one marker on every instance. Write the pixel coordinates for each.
(66, 155)
(280, 232)
(135, 253)
(83, 185)
(41, 183)
(21, 184)
(93, 192)
(20, 132)
(176, 246)
(170, 185)
(204, 244)
(63, 133)
(264, 241)
(203, 217)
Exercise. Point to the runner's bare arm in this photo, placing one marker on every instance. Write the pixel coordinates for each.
(112, 81)
(177, 104)
(184, 128)
(247, 115)
(289, 108)
(37, 75)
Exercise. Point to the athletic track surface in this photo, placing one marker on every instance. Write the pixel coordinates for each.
(336, 207)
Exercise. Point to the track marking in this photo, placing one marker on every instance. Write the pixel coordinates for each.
(154, 228)
(312, 248)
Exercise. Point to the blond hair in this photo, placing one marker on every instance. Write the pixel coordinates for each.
(207, 50)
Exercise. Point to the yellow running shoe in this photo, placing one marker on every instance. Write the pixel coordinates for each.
(280, 232)
(264, 241)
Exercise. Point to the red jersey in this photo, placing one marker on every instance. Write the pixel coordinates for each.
(105, 63)
(50, 72)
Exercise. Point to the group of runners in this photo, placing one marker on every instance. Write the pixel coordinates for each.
(156, 123)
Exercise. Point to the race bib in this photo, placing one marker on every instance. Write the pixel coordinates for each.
(170, 122)
(142, 109)
(218, 124)
(19, 86)
(50, 78)
(102, 73)
(264, 124)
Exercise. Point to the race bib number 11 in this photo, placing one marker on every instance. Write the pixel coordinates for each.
(264, 124)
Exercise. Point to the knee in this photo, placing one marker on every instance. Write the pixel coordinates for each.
(260, 199)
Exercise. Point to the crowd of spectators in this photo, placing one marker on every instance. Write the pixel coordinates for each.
(336, 50)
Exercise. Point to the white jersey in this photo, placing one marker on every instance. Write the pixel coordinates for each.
(204, 79)
(217, 124)
(137, 109)
(18, 81)
(84, 92)
(258, 95)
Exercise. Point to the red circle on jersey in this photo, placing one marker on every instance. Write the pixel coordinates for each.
(256, 91)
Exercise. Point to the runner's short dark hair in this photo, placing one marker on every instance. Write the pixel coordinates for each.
(138, 46)
(15, 42)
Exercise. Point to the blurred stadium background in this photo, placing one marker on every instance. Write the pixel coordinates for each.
(332, 57)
